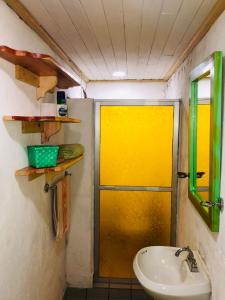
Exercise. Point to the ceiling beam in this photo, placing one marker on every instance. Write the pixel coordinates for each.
(216, 11)
(26, 16)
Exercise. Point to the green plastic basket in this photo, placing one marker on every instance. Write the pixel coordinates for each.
(42, 156)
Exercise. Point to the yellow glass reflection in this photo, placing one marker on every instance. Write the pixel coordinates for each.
(136, 145)
(129, 221)
(203, 143)
(204, 195)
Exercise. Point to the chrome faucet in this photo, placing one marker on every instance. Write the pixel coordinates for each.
(191, 261)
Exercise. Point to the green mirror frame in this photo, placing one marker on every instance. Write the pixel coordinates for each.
(210, 211)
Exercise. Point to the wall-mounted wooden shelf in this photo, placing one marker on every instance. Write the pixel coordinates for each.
(33, 172)
(39, 70)
(46, 125)
(41, 119)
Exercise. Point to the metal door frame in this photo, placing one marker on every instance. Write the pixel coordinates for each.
(173, 189)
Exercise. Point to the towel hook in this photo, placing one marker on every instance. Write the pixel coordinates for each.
(47, 186)
(68, 174)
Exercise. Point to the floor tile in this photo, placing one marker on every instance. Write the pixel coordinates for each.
(119, 286)
(65, 296)
(136, 287)
(140, 295)
(101, 285)
(119, 294)
(97, 294)
(106, 294)
(76, 294)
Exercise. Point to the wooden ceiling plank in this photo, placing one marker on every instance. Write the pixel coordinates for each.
(133, 25)
(31, 21)
(164, 27)
(171, 7)
(198, 19)
(114, 17)
(183, 21)
(96, 16)
(77, 41)
(167, 18)
(213, 14)
(167, 62)
(48, 23)
(97, 38)
(150, 17)
(56, 11)
(77, 15)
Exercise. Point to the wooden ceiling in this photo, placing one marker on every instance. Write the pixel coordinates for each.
(143, 38)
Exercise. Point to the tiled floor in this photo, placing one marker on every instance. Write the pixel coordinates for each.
(106, 294)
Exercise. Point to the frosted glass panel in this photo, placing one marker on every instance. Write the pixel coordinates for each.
(130, 221)
(136, 145)
(204, 195)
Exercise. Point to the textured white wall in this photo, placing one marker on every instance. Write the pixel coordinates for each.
(79, 258)
(191, 228)
(32, 263)
(126, 90)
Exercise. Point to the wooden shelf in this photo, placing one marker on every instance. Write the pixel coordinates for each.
(41, 119)
(29, 171)
(39, 70)
(46, 125)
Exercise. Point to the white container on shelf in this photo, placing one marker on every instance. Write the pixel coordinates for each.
(48, 109)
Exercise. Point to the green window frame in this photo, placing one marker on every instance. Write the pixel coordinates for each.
(210, 211)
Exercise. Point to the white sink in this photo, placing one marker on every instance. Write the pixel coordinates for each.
(167, 277)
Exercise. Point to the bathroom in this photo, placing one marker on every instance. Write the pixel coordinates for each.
(34, 265)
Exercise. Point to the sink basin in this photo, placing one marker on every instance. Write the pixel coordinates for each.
(167, 277)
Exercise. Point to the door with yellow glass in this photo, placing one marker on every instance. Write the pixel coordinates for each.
(136, 146)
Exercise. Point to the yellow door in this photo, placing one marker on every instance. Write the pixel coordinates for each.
(135, 183)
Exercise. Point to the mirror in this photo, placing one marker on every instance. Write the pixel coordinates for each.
(205, 139)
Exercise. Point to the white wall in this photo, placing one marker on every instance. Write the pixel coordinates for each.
(126, 90)
(191, 228)
(32, 263)
(79, 258)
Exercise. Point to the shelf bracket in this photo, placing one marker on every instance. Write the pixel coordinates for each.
(49, 129)
(31, 177)
(32, 127)
(46, 84)
(26, 76)
(43, 84)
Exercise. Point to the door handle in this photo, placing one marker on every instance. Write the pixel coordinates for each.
(200, 174)
(185, 175)
(182, 175)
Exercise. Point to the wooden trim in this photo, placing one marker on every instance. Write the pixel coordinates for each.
(216, 11)
(26, 16)
(128, 80)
